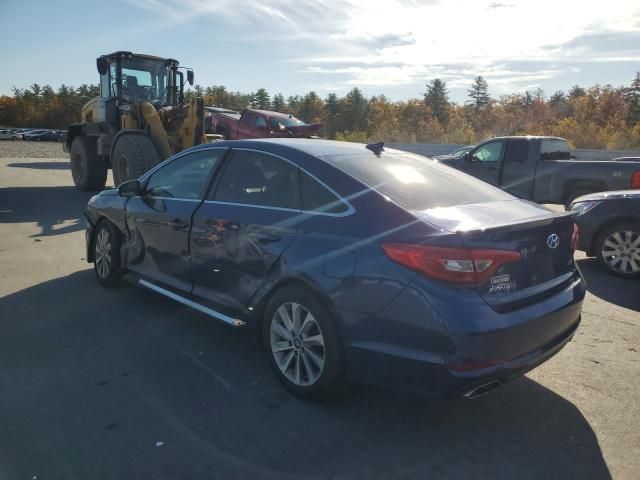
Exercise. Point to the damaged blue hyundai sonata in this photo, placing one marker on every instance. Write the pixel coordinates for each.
(350, 263)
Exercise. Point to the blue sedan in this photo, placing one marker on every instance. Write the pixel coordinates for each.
(350, 263)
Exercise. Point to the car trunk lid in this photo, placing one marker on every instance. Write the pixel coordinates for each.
(542, 238)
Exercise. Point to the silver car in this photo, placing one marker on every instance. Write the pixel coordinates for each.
(9, 135)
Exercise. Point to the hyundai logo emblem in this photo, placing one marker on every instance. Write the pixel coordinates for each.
(553, 241)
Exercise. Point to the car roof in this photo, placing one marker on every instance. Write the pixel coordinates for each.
(525, 137)
(312, 146)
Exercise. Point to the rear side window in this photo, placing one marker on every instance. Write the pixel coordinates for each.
(416, 182)
(260, 179)
(554, 149)
(317, 198)
(518, 151)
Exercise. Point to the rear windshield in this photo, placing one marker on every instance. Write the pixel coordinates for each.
(416, 182)
(554, 149)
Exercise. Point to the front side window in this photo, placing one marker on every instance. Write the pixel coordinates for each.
(489, 152)
(185, 177)
(261, 179)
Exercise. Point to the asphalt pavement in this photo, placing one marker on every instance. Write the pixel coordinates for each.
(122, 383)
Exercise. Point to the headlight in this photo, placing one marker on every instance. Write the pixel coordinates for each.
(583, 207)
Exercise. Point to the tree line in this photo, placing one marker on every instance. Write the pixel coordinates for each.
(600, 116)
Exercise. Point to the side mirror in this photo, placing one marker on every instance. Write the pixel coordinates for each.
(190, 77)
(103, 65)
(467, 157)
(132, 188)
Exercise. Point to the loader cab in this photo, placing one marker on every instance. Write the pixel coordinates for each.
(132, 78)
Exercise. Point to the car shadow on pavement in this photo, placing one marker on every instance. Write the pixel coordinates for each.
(43, 165)
(616, 290)
(49, 207)
(123, 383)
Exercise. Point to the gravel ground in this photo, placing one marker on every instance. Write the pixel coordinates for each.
(122, 383)
(24, 149)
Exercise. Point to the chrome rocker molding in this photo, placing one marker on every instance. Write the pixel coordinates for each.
(234, 322)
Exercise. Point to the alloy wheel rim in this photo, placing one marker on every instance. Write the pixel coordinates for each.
(297, 344)
(621, 251)
(103, 253)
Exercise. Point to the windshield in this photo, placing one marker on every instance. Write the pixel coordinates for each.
(289, 121)
(461, 151)
(145, 79)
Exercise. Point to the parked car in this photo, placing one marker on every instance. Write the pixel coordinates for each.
(256, 124)
(541, 169)
(610, 229)
(31, 134)
(9, 135)
(458, 153)
(47, 136)
(350, 263)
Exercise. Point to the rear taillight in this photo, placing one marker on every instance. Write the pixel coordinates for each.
(575, 237)
(457, 265)
(635, 179)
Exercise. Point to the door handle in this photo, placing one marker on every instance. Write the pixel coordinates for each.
(177, 224)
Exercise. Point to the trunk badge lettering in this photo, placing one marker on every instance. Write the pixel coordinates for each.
(553, 241)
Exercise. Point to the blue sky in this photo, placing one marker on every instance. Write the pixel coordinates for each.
(392, 46)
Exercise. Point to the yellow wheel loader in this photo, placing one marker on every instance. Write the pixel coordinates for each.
(139, 119)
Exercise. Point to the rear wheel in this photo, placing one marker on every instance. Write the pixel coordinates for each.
(133, 155)
(618, 249)
(303, 344)
(106, 254)
(89, 171)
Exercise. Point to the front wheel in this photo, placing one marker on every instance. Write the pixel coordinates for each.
(303, 344)
(106, 254)
(132, 156)
(618, 249)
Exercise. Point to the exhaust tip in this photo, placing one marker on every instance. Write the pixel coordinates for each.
(482, 389)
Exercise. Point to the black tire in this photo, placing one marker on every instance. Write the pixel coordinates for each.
(14, 138)
(625, 230)
(330, 379)
(573, 194)
(106, 254)
(132, 156)
(89, 171)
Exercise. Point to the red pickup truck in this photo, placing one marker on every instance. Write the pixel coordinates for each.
(256, 124)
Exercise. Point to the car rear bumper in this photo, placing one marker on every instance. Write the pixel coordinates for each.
(457, 363)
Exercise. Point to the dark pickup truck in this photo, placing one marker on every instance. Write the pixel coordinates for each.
(256, 124)
(542, 169)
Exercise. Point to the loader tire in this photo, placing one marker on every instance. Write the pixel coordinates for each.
(132, 156)
(88, 170)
